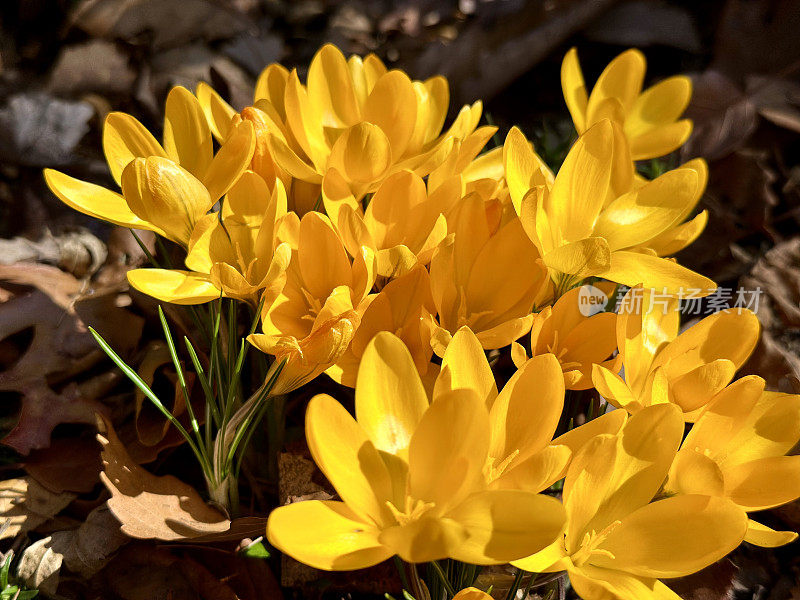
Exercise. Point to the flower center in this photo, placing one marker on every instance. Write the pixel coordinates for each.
(590, 543)
(413, 510)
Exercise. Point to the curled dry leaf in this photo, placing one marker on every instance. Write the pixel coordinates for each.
(39, 566)
(88, 548)
(25, 504)
(150, 506)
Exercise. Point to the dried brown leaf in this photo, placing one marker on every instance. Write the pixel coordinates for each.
(150, 506)
(67, 465)
(88, 548)
(39, 566)
(25, 505)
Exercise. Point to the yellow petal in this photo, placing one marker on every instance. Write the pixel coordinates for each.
(696, 388)
(348, 458)
(725, 416)
(318, 238)
(638, 216)
(536, 473)
(231, 160)
(729, 334)
(615, 475)
(633, 268)
(505, 525)
(764, 483)
(271, 86)
(595, 583)
(582, 184)
(609, 423)
(95, 201)
(621, 79)
(178, 287)
(471, 593)
(187, 137)
(674, 537)
(695, 473)
(574, 89)
(526, 412)
(464, 366)
(330, 88)
(761, 535)
(390, 399)
(160, 191)
(125, 138)
(392, 106)
(614, 389)
(771, 429)
(658, 105)
(676, 239)
(424, 540)
(218, 112)
(448, 449)
(362, 153)
(325, 535)
(661, 140)
(293, 164)
(524, 168)
(584, 258)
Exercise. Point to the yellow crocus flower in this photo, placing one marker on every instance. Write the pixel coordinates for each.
(409, 475)
(235, 253)
(165, 189)
(322, 287)
(404, 307)
(471, 593)
(594, 220)
(737, 449)
(355, 116)
(487, 282)
(577, 340)
(617, 543)
(687, 370)
(523, 415)
(402, 224)
(650, 118)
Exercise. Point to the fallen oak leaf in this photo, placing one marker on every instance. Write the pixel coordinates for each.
(150, 506)
(39, 566)
(25, 504)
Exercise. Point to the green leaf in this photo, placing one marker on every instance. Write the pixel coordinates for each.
(255, 550)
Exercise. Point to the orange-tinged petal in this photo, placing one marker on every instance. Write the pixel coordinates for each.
(673, 537)
(505, 525)
(695, 389)
(390, 399)
(536, 473)
(178, 287)
(325, 535)
(317, 239)
(676, 239)
(609, 423)
(348, 459)
(125, 138)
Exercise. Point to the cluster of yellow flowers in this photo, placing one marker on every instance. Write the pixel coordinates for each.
(372, 240)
